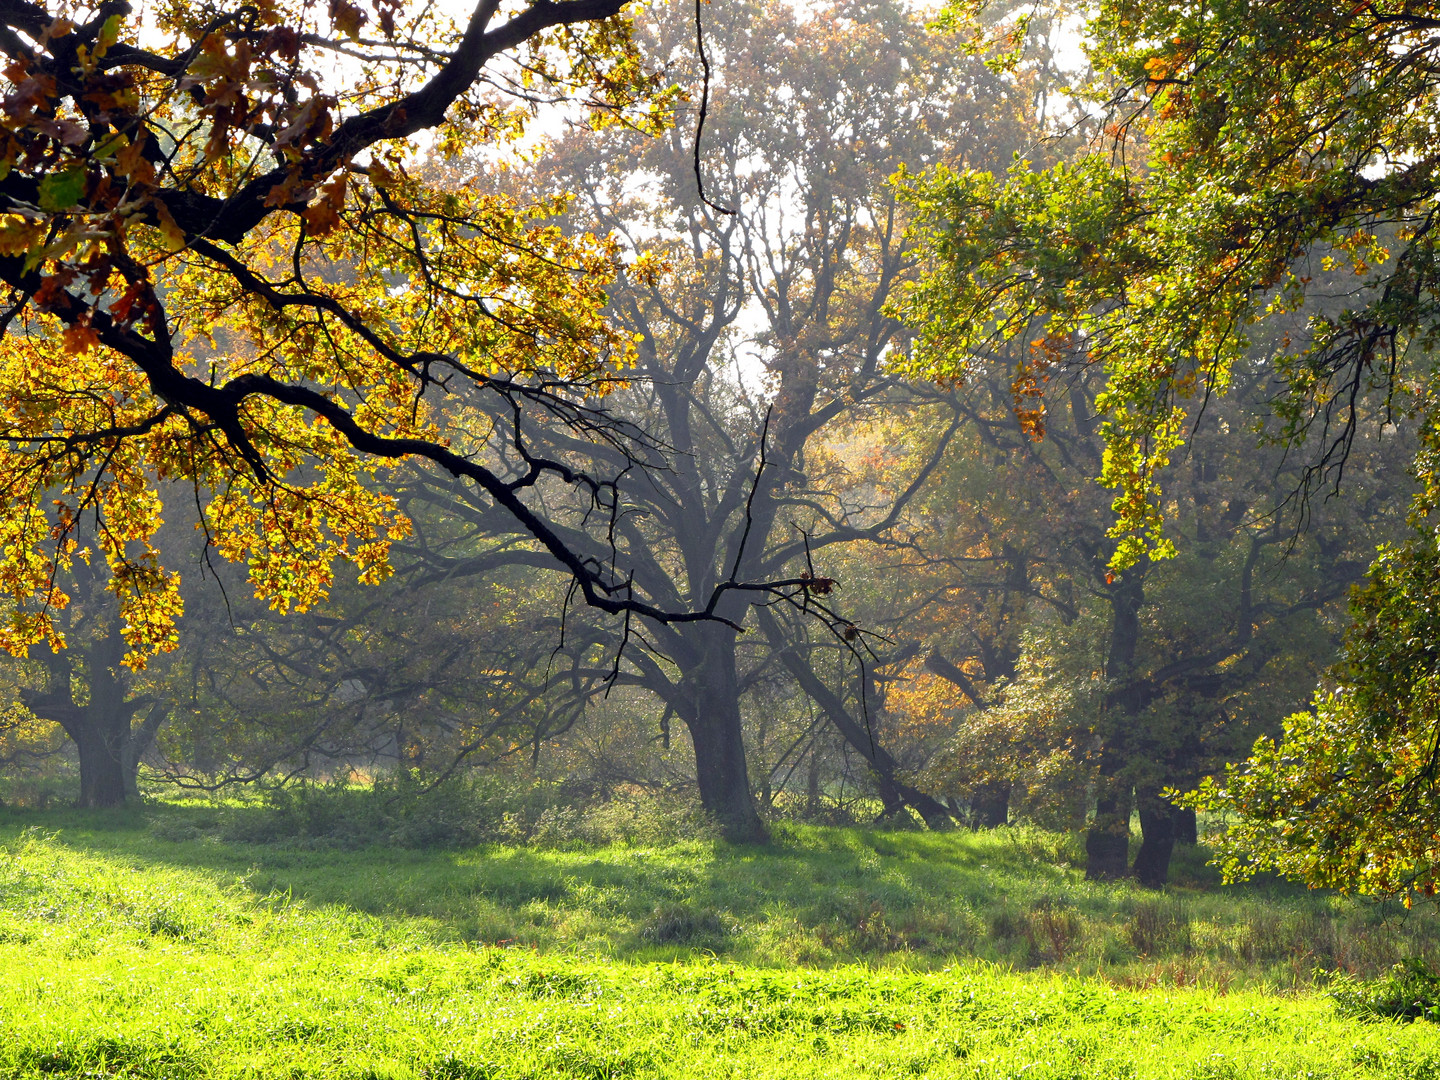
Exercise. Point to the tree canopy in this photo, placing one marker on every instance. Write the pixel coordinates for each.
(227, 271)
(1266, 178)
(1260, 195)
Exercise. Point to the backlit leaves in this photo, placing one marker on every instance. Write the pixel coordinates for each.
(1258, 157)
(229, 283)
(1347, 799)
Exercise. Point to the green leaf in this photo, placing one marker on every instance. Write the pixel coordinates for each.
(109, 34)
(60, 191)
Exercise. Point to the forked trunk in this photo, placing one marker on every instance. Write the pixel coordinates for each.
(108, 747)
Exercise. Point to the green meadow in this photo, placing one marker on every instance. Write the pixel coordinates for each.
(157, 943)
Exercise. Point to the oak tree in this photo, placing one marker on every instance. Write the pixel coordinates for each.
(764, 334)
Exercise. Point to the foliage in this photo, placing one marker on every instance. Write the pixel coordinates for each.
(1348, 797)
(1411, 991)
(1038, 736)
(201, 238)
(1265, 179)
(32, 753)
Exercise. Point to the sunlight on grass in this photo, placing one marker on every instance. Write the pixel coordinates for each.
(125, 954)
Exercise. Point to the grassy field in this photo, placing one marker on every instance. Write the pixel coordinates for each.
(151, 945)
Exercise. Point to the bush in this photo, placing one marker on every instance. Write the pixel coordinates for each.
(684, 924)
(1410, 992)
(1156, 927)
(1053, 929)
(402, 810)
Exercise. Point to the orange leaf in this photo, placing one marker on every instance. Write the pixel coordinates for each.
(79, 338)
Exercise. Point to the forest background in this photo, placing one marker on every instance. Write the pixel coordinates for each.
(954, 631)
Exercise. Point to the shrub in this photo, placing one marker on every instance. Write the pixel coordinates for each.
(1053, 929)
(1411, 991)
(683, 924)
(1262, 938)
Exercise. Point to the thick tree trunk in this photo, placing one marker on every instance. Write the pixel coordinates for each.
(711, 711)
(102, 766)
(1107, 844)
(108, 749)
(1157, 838)
(990, 806)
(104, 728)
(1187, 829)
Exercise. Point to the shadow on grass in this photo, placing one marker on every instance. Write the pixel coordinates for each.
(818, 895)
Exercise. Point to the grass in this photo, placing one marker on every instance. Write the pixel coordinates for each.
(125, 951)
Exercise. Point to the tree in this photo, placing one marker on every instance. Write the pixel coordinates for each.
(1126, 683)
(1264, 191)
(417, 674)
(802, 239)
(229, 282)
(1266, 179)
(109, 713)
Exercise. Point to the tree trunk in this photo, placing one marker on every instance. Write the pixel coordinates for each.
(1107, 844)
(711, 711)
(102, 767)
(140, 740)
(812, 782)
(892, 803)
(722, 777)
(1157, 838)
(1187, 829)
(990, 805)
(931, 810)
(108, 749)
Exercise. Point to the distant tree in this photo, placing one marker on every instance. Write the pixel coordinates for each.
(1346, 799)
(1126, 683)
(229, 283)
(415, 674)
(761, 333)
(109, 713)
